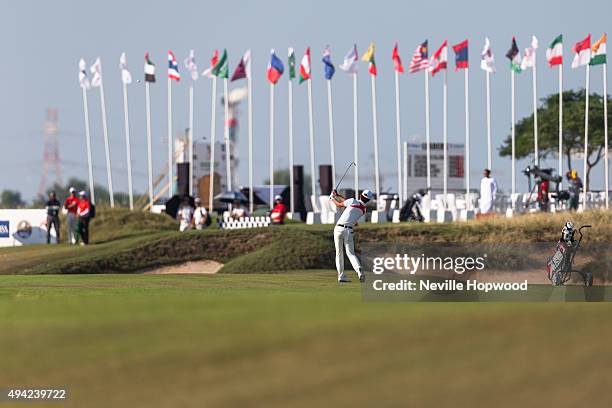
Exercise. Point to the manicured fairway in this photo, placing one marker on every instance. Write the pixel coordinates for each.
(294, 339)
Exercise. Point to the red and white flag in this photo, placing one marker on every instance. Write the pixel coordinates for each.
(305, 66)
(420, 60)
(583, 52)
(397, 61)
(439, 60)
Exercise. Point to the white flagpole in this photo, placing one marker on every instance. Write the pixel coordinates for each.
(149, 141)
(398, 140)
(355, 136)
(467, 140)
(427, 137)
(88, 142)
(489, 140)
(250, 113)
(586, 141)
(606, 175)
(213, 131)
(170, 140)
(228, 153)
(375, 131)
(513, 132)
(405, 177)
(535, 111)
(560, 164)
(127, 145)
(191, 138)
(271, 145)
(445, 136)
(313, 175)
(331, 131)
(109, 173)
(291, 192)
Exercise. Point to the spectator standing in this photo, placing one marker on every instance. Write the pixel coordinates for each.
(185, 215)
(574, 188)
(488, 191)
(83, 215)
(200, 216)
(53, 207)
(71, 205)
(279, 211)
(543, 189)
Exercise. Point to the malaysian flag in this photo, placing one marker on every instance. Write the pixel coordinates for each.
(173, 72)
(420, 60)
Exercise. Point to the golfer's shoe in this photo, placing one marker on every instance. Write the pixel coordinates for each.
(344, 279)
(362, 278)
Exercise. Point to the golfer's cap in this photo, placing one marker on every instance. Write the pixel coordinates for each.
(82, 193)
(367, 194)
(72, 189)
(278, 197)
(197, 199)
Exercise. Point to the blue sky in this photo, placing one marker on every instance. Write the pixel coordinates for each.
(43, 42)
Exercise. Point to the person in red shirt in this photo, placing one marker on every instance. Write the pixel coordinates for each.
(71, 204)
(279, 211)
(543, 188)
(83, 214)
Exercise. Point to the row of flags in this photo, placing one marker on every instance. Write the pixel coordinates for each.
(585, 53)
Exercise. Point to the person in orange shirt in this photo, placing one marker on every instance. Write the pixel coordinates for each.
(84, 215)
(279, 211)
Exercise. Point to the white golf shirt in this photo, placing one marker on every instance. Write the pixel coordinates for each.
(354, 210)
(488, 191)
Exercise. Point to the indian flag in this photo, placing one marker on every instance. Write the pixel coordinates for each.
(583, 52)
(305, 66)
(598, 51)
(554, 53)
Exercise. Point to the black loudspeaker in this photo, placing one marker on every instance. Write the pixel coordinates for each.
(298, 191)
(325, 179)
(183, 179)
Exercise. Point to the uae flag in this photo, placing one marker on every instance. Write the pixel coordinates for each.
(369, 57)
(514, 56)
(149, 69)
(221, 69)
(554, 53)
(305, 66)
(583, 52)
(598, 51)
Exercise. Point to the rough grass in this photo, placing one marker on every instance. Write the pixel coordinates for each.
(296, 339)
(127, 242)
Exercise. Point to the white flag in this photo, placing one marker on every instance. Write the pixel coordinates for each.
(350, 61)
(487, 61)
(530, 54)
(191, 66)
(83, 80)
(96, 73)
(126, 77)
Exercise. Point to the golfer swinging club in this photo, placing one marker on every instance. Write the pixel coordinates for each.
(354, 209)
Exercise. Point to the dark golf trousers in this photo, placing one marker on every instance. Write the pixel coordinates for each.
(84, 229)
(53, 222)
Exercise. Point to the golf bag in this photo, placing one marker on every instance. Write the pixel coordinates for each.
(559, 266)
(411, 210)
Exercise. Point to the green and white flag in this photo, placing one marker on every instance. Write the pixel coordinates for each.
(598, 52)
(554, 53)
(291, 63)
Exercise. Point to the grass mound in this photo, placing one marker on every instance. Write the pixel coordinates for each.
(127, 242)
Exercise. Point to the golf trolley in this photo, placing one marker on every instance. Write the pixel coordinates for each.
(559, 266)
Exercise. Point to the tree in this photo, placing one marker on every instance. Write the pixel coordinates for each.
(11, 199)
(573, 130)
(102, 195)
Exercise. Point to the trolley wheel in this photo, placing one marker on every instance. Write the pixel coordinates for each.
(588, 279)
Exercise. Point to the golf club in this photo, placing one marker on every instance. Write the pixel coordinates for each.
(346, 171)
